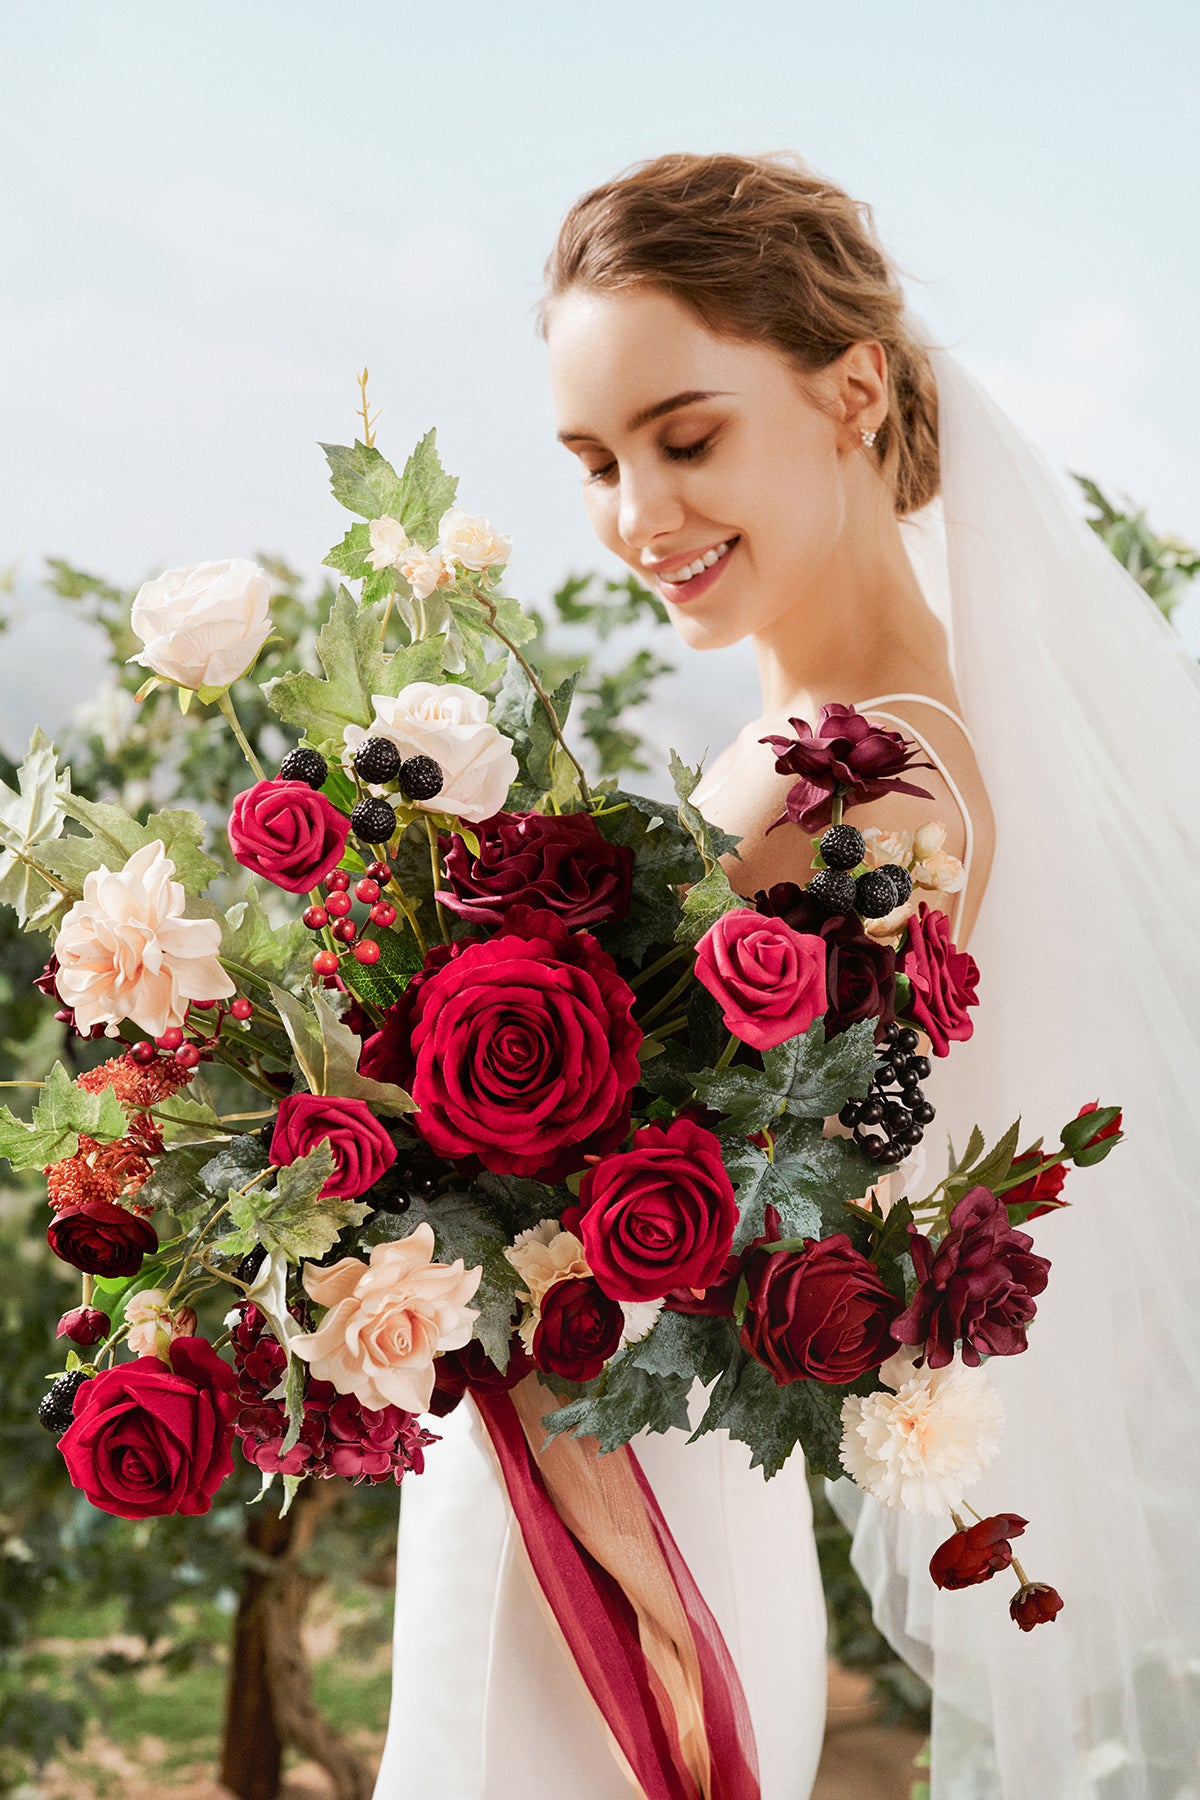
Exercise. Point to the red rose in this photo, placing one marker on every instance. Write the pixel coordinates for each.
(84, 1325)
(1040, 1191)
(287, 832)
(524, 1049)
(362, 1149)
(101, 1239)
(562, 862)
(820, 1313)
(1036, 1604)
(456, 1371)
(943, 978)
(860, 974)
(768, 979)
(977, 1553)
(847, 754)
(148, 1439)
(658, 1216)
(977, 1286)
(579, 1329)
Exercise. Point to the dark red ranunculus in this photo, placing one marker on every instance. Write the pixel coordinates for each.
(471, 1368)
(977, 1553)
(660, 1215)
(84, 1325)
(561, 862)
(944, 978)
(101, 1239)
(580, 1327)
(1037, 1603)
(820, 1313)
(847, 754)
(288, 833)
(148, 1439)
(361, 1148)
(977, 1286)
(524, 1049)
(860, 974)
(1040, 1191)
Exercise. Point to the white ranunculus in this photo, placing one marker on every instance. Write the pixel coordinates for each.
(389, 541)
(919, 1448)
(125, 951)
(203, 624)
(449, 723)
(471, 540)
(425, 570)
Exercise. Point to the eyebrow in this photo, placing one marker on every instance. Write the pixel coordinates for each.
(648, 413)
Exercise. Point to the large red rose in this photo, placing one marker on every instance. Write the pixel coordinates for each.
(101, 1239)
(361, 1148)
(287, 832)
(148, 1439)
(579, 1329)
(562, 862)
(976, 1553)
(820, 1313)
(523, 1047)
(847, 754)
(976, 1287)
(658, 1216)
(767, 978)
(943, 977)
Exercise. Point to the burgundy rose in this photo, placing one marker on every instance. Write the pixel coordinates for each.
(523, 1047)
(148, 1439)
(848, 755)
(561, 862)
(976, 1553)
(455, 1372)
(767, 978)
(820, 1313)
(1035, 1604)
(658, 1216)
(84, 1325)
(860, 974)
(977, 1286)
(943, 978)
(361, 1148)
(1041, 1191)
(287, 832)
(101, 1239)
(580, 1327)
(387, 1054)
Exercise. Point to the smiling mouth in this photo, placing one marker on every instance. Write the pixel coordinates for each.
(689, 572)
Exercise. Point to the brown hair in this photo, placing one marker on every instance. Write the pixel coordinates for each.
(762, 248)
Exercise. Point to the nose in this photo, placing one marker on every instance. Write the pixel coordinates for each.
(650, 507)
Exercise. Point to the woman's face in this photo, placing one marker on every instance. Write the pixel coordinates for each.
(697, 446)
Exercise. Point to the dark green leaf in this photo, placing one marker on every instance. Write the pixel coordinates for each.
(686, 1344)
(808, 1181)
(773, 1419)
(711, 842)
(384, 981)
(632, 1400)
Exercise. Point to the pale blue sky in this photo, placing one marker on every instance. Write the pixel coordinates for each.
(211, 215)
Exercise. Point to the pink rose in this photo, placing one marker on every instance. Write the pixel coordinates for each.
(287, 832)
(361, 1148)
(943, 979)
(768, 979)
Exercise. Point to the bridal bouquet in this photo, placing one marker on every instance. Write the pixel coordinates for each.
(488, 1082)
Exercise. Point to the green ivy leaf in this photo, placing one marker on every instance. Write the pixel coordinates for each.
(61, 1114)
(366, 483)
(114, 835)
(327, 1054)
(773, 1419)
(30, 819)
(808, 1181)
(273, 952)
(631, 1400)
(666, 857)
(519, 714)
(384, 981)
(816, 1075)
(290, 1218)
(705, 902)
(349, 557)
(711, 842)
(184, 1119)
(177, 1184)
(687, 1344)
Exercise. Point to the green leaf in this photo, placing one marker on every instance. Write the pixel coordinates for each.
(519, 714)
(365, 483)
(745, 1096)
(773, 1419)
(327, 1053)
(234, 1164)
(808, 1181)
(271, 951)
(293, 1402)
(463, 1229)
(891, 1247)
(349, 557)
(666, 858)
(61, 1114)
(384, 981)
(183, 1119)
(816, 1075)
(997, 1163)
(177, 1186)
(468, 626)
(705, 902)
(631, 1400)
(1094, 1153)
(30, 819)
(290, 1218)
(114, 835)
(1076, 1134)
(711, 842)
(686, 1344)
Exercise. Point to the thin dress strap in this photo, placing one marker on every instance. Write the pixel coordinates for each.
(873, 706)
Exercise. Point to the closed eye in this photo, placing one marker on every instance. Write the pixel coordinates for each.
(675, 452)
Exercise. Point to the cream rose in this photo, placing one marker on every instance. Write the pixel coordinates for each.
(450, 724)
(387, 1320)
(887, 847)
(425, 570)
(125, 951)
(203, 624)
(468, 539)
(389, 541)
(920, 1447)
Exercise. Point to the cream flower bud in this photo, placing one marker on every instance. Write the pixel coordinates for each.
(425, 570)
(203, 624)
(928, 839)
(941, 871)
(389, 541)
(471, 540)
(450, 724)
(887, 847)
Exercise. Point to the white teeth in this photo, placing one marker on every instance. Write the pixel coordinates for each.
(698, 567)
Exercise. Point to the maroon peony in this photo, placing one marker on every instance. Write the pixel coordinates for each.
(455, 1372)
(1036, 1604)
(562, 863)
(847, 755)
(148, 1439)
(84, 1325)
(660, 1215)
(288, 833)
(580, 1327)
(943, 978)
(101, 1239)
(820, 1313)
(1040, 1192)
(977, 1286)
(860, 974)
(523, 1047)
(361, 1148)
(976, 1553)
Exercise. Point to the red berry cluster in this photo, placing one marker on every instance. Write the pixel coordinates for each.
(335, 913)
(188, 1046)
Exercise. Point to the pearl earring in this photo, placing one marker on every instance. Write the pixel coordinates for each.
(868, 438)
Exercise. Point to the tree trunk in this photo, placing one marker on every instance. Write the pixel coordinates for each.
(251, 1752)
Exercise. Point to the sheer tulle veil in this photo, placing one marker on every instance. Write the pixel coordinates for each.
(1085, 710)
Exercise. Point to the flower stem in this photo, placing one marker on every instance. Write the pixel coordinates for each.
(672, 994)
(729, 1052)
(672, 955)
(226, 706)
(837, 809)
(431, 833)
(489, 606)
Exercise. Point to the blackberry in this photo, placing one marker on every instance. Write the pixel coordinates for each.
(304, 765)
(56, 1408)
(377, 760)
(842, 847)
(833, 890)
(421, 778)
(875, 894)
(901, 880)
(374, 821)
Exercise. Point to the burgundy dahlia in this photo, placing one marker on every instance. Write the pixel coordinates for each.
(846, 755)
(562, 862)
(977, 1286)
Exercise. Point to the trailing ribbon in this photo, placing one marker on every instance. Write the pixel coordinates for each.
(648, 1649)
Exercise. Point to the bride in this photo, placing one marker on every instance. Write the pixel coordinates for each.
(770, 441)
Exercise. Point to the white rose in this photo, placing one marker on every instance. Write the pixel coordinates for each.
(125, 951)
(886, 847)
(425, 570)
(450, 724)
(917, 1449)
(388, 542)
(471, 540)
(203, 624)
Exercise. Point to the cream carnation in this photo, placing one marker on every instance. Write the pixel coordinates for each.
(387, 1320)
(389, 541)
(425, 570)
(449, 723)
(203, 624)
(468, 539)
(125, 951)
(917, 1449)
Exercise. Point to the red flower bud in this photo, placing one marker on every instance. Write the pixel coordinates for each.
(1035, 1604)
(84, 1325)
(976, 1553)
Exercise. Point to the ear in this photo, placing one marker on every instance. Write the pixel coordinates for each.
(862, 385)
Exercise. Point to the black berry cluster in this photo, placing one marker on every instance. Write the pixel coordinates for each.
(891, 1120)
(413, 1175)
(56, 1408)
(377, 760)
(837, 889)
